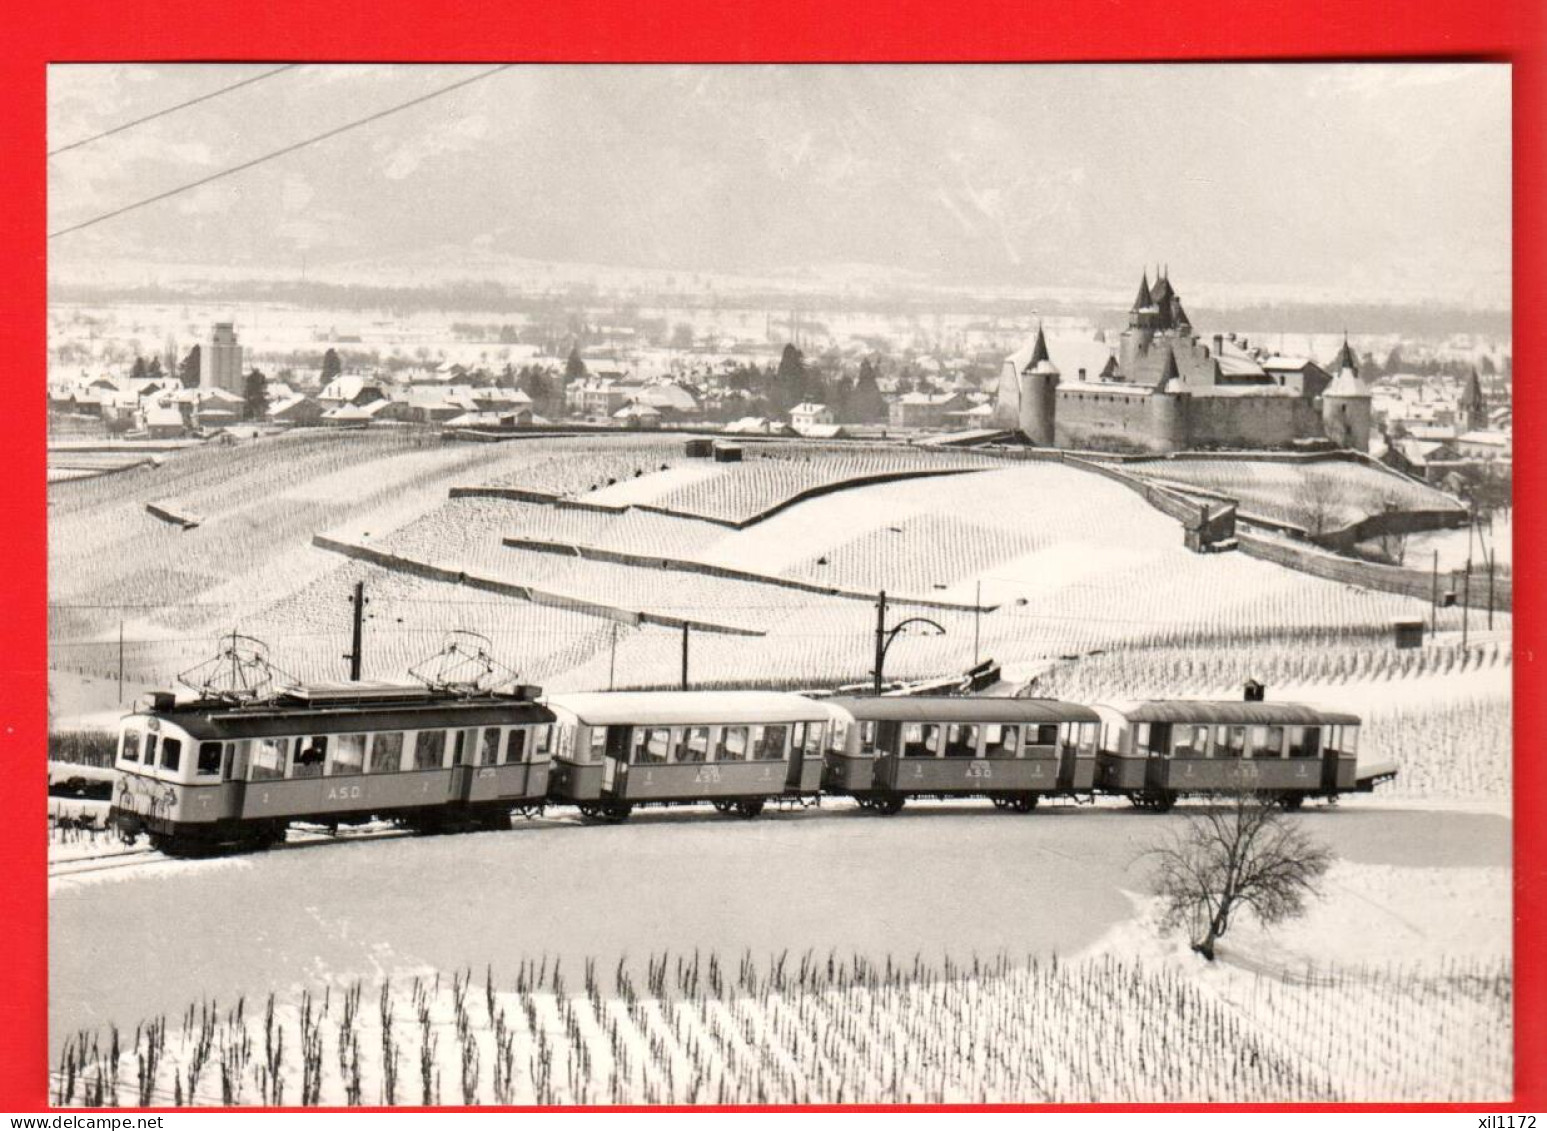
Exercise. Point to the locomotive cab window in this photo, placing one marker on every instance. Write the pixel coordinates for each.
(515, 746)
(131, 746)
(348, 755)
(489, 746)
(171, 753)
(209, 760)
(386, 753)
(430, 750)
(268, 758)
(150, 751)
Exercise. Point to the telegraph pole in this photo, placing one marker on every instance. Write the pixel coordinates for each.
(684, 655)
(612, 658)
(354, 657)
(1490, 589)
(120, 663)
(977, 618)
(880, 638)
(1434, 597)
(1466, 602)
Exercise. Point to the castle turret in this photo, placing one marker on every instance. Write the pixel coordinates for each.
(1345, 404)
(1168, 407)
(1039, 394)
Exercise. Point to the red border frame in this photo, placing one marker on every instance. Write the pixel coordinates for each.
(701, 30)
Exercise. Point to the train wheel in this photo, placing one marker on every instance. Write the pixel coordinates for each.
(1000, 802)
(746, 810)
(722, 806)
(1290, 802)
(497, 820)
(1023, 803)
(890, 806)
(616, 812)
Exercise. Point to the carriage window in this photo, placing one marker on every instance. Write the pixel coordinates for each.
(1304, 742)
(1190, 741)
(1229, 741)
(867, 738)
(542, 742)
(464, 746)
(515, 746)
(598, 743)
(387, 753)
(1088, 737)
(430, 750)
(348, 755)
(268, 758)
(651, 746)
(1001, 741)
(310, 756)
(733, 745)
(961, 740)
(813, 744)
(209, 760)
(1141, 737)
(694, 746)
(1350, 740)
(769, 746)
(1160, 739)
(919, 740)
(131, 746)
(838, 736)
(1268, 742)
(171, 753)
(1046, 734)
(489, 747)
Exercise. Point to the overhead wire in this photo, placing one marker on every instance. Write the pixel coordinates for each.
(118, 129)
(281, 152)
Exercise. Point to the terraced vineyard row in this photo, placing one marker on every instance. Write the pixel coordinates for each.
(1320, 496)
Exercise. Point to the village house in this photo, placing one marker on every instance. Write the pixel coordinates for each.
(810, 414)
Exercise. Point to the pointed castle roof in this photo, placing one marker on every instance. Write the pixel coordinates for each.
(1040, 361)
(1145, 299)
(1170, 373)
(1345, 358)
(1472, 392)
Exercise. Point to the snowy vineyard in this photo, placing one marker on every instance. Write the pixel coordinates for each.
(811, 1029)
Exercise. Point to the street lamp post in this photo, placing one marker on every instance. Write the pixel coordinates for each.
(885, 635)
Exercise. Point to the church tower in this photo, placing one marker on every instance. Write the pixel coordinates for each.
(1472, 408)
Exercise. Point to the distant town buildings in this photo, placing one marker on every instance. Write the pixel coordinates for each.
(220, 360)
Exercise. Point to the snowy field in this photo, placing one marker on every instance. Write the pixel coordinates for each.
(1418, 904)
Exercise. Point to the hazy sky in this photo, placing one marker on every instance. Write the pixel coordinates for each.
(1370, 181)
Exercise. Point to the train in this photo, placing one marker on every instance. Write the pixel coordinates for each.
(224, 773)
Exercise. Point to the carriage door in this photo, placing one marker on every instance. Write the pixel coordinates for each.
(797, 754)
(1329, 754)
(1156, 740)
(615, 762)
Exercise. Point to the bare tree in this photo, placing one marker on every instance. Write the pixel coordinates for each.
(1242, 854)
(1321, 502)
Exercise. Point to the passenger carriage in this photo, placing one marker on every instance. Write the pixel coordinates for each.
(1156, 751)
(736, 749)
(884, 749)
(221, 772)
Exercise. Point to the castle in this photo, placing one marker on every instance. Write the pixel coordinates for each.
(1164, 390)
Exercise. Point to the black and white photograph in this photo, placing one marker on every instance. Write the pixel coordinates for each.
(781, 584)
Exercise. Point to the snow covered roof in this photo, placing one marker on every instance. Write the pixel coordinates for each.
(808, 408)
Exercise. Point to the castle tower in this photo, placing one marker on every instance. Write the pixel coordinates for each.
(1168, 405)
(1039, 395)
(1345, 404)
